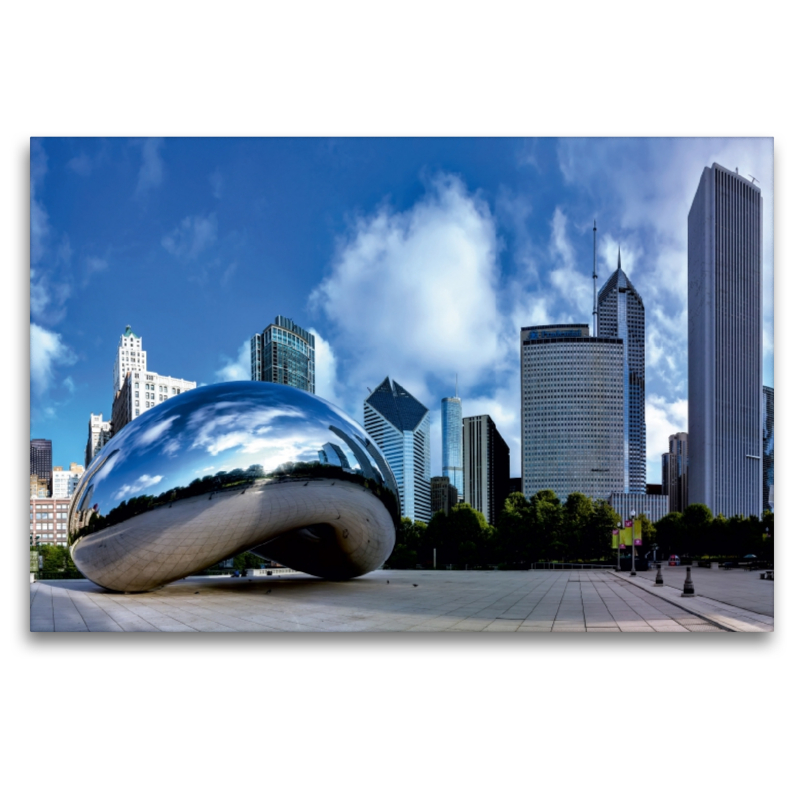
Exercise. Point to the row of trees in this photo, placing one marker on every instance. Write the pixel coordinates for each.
(698, 533)
(545, 529)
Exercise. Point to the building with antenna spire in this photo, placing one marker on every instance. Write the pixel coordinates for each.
(620, 314)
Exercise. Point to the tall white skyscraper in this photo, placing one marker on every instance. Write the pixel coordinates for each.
(725, 347)
(400, 426)
(130, 357)
(572, 411)
(140, 389)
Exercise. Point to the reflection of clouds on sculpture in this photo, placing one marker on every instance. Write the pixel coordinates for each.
(130, 490)
(276, 469)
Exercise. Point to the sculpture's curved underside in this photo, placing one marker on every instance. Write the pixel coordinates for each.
(227, 468)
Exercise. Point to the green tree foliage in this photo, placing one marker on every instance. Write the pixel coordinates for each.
(543, 529)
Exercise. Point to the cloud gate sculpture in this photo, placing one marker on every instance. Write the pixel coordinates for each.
(227, 468)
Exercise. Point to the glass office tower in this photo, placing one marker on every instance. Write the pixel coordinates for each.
(572, 411)
(452, 444)
(400, 426)
(725, 348)
(621, 315)
(283, 353)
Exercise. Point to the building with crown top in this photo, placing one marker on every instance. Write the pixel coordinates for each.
(621, 315)
(400, 426)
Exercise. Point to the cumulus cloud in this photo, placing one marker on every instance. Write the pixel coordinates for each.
(570, 283)
(191, 237)
(138, 486)
(151, 172)
(238, 370)
(325, 369)
(663, 418)
(416, 289)
(48, 352)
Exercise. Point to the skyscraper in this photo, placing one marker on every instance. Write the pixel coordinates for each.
(42, 461)
(452, 453)
(486, 467)
(400, 426)
(621, 315)
(130, 357)
(283, 353)
(572, 411)
(136, 389)
(725, 347)
(675, 471)
(768, 447)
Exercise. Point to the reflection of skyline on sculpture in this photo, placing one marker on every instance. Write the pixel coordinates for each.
(217, 444)
(241, 433)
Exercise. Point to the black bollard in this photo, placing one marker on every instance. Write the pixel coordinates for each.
(659, 578)
(688, 586)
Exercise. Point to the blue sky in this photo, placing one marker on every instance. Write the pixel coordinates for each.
(417, 258)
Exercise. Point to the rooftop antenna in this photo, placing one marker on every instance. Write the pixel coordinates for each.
(754, 180)
(594, 278)
(456, 385)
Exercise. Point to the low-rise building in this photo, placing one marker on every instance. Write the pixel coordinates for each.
(443, 495)
(48, 523)
(653, 506)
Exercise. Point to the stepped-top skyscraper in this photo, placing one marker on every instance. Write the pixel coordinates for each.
(283, 353)
(452, 443)
(621, 315)
(400, 426)
(725, 347)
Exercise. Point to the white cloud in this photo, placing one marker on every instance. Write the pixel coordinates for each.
(663, 418)
(573, 285)
(151, 172)
(47, 353)
(137, 487)
(325, 370)
(191, 236)
(238, 370)
(414, 292)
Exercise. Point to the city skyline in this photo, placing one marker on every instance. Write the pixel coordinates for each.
(461, 241)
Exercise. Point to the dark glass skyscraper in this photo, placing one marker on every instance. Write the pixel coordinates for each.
(725, 348)
(621, 315)
(768, 448)
(486, 467)
(283, 353)
(42, 461)
(452, 452)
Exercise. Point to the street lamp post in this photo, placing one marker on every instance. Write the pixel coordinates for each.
(633, 546)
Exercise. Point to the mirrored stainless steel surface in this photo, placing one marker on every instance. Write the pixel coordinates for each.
(233, 467)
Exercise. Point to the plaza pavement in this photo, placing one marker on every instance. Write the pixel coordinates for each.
(391, 600)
